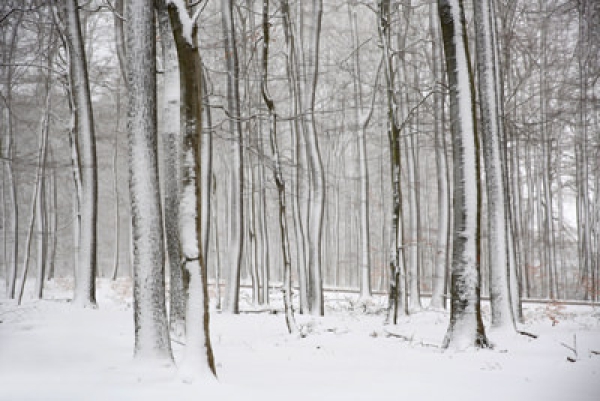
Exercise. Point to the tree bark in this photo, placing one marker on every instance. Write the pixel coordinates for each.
(199, 360)
(85, 284)
(466, 326)
(487, 64)
(150, 315)
(236, 229)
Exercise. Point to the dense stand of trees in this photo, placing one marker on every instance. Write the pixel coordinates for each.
(302, 145)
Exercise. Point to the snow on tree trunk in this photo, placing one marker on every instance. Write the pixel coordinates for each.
(150, 315)
(466, 327)
(297, 131)
(198, 361)
(502, 315)
(317, 190)
(171, 135)
(85, 277)
(236, 229)
(397, 302)
(278, 176)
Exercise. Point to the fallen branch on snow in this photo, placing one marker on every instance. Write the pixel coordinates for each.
(525, 333)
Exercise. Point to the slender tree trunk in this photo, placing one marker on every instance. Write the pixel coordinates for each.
(502, 314)
(231, 302)
(36, 210)
(278, 175)
(297, 128)
(438, 300)
(315, 163)
(7, 153)
(397, 302)
(85, 287)
(362, 123)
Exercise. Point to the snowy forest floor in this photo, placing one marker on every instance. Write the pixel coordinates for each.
(50, 350)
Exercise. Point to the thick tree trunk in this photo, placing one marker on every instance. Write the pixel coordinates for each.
(150, 315)
(171, 177)
(199, 361)
(466, 327)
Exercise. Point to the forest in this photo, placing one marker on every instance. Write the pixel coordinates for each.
(229, 198)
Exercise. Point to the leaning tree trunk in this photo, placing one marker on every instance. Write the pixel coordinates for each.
(85, 287)
(466, 326)
(150, 314)
(35, 200)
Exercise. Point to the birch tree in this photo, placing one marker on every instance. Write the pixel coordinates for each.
(150, 315)
(466, 327)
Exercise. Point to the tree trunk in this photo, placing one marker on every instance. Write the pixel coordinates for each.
(487, 64)
(297, 151)
(85, 286)
(150, 315)
(7, 153)
(438, 296)
(171, 176)
(199, 361)
(231, 301)
(361, 126)
(278, 176)
(466, 327)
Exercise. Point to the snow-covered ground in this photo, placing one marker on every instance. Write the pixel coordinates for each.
(49, 350)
